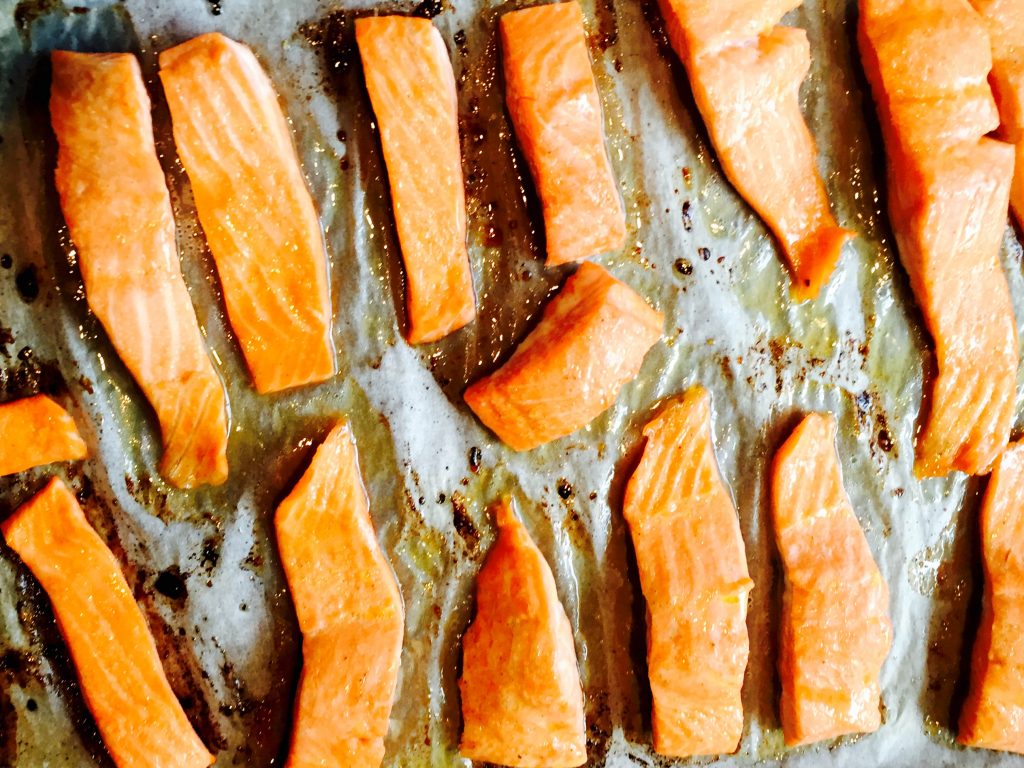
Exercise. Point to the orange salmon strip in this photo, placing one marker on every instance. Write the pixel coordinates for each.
(522, 702)
(928, 62)
(1004, 20)
(836, 631)
(122, 681)
(37, 431)
(746, 74)
(591, 340)
(255, 209)
(349, 610)
(993, 715)
(693, 570)
(412, 88)
(556, 113)
(115, 201)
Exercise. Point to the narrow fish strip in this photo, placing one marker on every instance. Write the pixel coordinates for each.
(1004, 20)
(118, 210)
(412, 88)
(349, 610)
(746, 74)
(115, 658)
(522, 703)
(836, 632)
(693, 571)
(993, 714)
(928, 62)
(254, 207)
(556, 113)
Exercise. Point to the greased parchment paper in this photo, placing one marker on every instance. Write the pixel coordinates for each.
(203, 564)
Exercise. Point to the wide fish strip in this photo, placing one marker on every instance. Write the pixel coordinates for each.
(993, 714)
(123, 683)
(115, 201)
(746, 73)
(556, 112)
(836, 631)
(254, 207)
(522, 704)
(928, 62)
(36, 431)
(591, 340)
(693, 571)
(349, 609)
(412, 88)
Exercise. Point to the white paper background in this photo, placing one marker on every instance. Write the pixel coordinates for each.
(230, 645)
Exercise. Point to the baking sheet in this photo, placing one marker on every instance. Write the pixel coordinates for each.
(203, 564)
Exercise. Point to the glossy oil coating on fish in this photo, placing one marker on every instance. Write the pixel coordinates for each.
(254, 207)
(522, 703)
(35, 431)
(993, 715)
(928, 62)
(115, 200)
(693, 571)
(122, 681)
(412, 88)
(591, 340)
(556, 112)
(1004, 20)
(746, 73)
(349, 610)
(836, 631)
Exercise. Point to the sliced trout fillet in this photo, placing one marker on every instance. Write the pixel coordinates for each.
(123, 683)
(522, 703)
(693, 571)
(1004, 20)
(115, 200)
(254, 207)
(836, 631)
(591, 340)
(745, 73)
(35, 431)
(412, 89)
(928, 62)
(993, 715)
(556, 113)
(349, 609)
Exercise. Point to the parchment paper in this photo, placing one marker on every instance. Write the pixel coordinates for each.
(203, 564)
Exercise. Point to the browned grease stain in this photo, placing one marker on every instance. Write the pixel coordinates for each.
(605, 33)
(31, 376)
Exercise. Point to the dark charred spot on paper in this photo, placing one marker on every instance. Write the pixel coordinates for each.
(429, 9)
(464, 523)
(27, 283)
(684, 267)
(170, 584)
